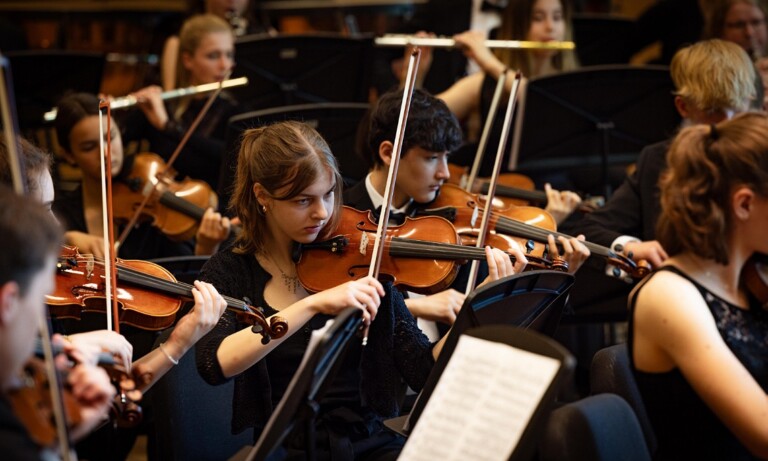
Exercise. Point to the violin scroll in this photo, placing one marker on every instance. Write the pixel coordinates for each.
(755, 275)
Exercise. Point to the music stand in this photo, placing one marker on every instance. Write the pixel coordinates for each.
(300, 69)
(601, 38)
(529, 341)
(44, 76)
(336, 122)
(300, 404)
(584, 121)
(532, 299)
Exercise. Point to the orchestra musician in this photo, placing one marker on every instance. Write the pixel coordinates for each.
(536, 20)
(743, 22)
(207, 55)
(32, 241)
(627, 221)
(431, 134)
(89, 335)
(287, 191)
(697, 335)
(77, 128)
(239, 15)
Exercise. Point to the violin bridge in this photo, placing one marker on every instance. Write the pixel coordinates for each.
(88, 266)
(475, 215)
(363, 244)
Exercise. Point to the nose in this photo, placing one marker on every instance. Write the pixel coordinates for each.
(442, 170)
(320, 212)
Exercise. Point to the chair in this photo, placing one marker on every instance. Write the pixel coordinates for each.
(600, 427)
(302, 69)
(193, 418)
(611, 372)
(336, 122)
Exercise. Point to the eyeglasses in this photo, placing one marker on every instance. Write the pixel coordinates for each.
(754, 23)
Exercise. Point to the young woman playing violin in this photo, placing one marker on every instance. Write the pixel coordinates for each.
(77, 128)
(287, 191)
(207, 55)
(31, 239)
(91, 337)
(431, 134)
(697, 336)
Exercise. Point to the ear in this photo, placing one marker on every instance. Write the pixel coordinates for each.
(742, 201)
(385, 152)
(9, 302)
(261, 194)
(186, 60)
(682, 107)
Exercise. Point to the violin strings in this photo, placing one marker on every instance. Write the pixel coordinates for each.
(137, 277)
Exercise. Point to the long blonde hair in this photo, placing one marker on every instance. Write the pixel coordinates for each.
(285, 154)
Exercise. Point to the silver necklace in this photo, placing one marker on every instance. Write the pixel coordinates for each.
(291, 281)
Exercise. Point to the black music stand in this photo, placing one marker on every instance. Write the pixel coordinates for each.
(300, 69)
(525, 340)
(300, 404)
(531, 300)
(336, 122)
(584, 122)
(44, 76)
(601, 38)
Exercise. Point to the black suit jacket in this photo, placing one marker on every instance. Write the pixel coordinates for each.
(633, 209)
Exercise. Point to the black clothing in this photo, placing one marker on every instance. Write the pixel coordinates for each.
(396, 350)
(685, 427)
(633, 209)
(201, 157)
(14, 438)
(676, 23)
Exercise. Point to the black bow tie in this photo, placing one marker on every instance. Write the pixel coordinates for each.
(395, 217)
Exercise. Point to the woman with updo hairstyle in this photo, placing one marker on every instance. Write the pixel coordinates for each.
(698, 339)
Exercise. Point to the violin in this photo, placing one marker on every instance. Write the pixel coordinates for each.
(175, 207)
(148, 295)
(515, 189)
(528, 226)
(422, 254)
(32, 403)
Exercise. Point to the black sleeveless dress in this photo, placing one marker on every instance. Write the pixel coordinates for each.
(685, 427)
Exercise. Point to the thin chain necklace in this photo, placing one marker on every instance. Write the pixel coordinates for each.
(291, 281)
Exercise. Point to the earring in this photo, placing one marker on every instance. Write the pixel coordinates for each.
(264, 209)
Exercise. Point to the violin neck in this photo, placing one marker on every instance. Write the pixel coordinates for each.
(176, 203)
(421, 249)
(509, 226)
(533, 196)
(132, 276)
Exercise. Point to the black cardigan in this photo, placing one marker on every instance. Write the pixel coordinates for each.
(397, 350)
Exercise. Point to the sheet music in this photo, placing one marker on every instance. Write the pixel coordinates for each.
(482, 403)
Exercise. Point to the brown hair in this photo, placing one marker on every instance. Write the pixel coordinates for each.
(36, 161)
(288, 155)
(515, 24)
(705, 164)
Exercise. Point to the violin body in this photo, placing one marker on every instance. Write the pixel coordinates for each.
(32, 403)
(346, 255)
(466, 219)
(80, 287)
(175, 208)
(148, 295)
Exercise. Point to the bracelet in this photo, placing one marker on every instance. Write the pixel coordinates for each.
(173, 361)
